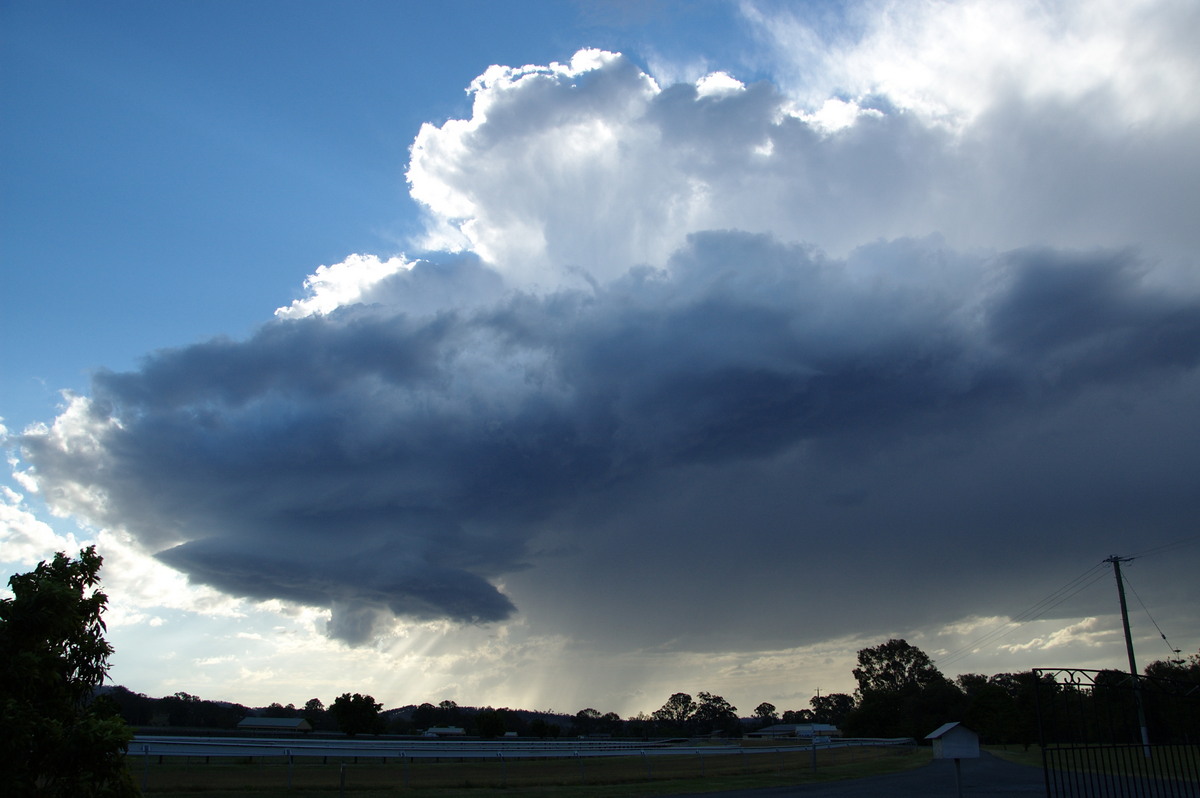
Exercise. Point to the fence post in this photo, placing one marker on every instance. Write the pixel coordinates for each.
(342, 782)
(646, 759)
(701, 763)
(503, 769)
(145, 765)
(582, 777)
(288, 752)
(814, 754)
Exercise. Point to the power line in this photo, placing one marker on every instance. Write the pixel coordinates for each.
(1067, 591)
(1033, 614)
(1057, 597)
(1161, 634)
(1165, 546)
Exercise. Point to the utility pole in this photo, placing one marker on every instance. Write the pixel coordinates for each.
(1133, 670)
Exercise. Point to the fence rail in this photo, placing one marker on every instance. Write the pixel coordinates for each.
(148, 745)
(328, 767)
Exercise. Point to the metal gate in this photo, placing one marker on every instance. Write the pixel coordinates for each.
(1106, 734)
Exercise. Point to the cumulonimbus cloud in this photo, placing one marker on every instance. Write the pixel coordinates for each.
(400, 462)
(648, 280)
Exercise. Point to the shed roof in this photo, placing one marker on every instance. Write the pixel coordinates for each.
(298, 724)
(944, 729)
(817, 727)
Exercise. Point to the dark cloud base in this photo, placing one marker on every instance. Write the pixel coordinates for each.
(387, 460)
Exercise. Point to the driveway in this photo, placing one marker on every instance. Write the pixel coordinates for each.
(986, 777)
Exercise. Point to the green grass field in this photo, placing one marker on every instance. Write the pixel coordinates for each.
(1166, 761)
(582, 778)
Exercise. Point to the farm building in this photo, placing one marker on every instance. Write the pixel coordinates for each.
(274, 724)
(445, 731)
(805, 730)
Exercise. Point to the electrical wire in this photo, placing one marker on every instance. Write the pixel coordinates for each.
(1057, 597)
(1034, 613)
(1067, 591)
(1174, 651)
(1165, 546)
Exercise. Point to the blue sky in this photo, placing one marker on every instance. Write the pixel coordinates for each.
(243, 142)
(402, 333)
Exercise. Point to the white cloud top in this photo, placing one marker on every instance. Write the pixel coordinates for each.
(952, 62)
(345, 283)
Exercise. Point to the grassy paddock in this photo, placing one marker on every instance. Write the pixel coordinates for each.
(1173, 760)
(1019, 754)
(582, 777)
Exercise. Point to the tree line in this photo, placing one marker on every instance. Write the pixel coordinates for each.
(64, 734)
(900, 693)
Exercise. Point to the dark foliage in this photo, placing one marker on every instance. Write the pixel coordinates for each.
(675, 714)
(901, 693)
(832, 708)
(357, 714)
(55, 740)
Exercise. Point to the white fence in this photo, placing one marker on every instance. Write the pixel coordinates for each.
(326, 766)
(300, 747)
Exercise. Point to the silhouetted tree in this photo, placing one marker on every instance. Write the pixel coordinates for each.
(676, 712)
(314, 712)
(765, 712)
(424, 716)
(277, 710)
(1176, 669)
(832, 708)
(714, 713)
(990, 709)
(539, 727)
(357, 714)
(448, 713)
(1172, 699)
(900, 693)
(587, 721)
(1022, 688)
(183, 709)
(640, 725)
(490, 722)
(136, 708)
(54, 740)
(893, 666)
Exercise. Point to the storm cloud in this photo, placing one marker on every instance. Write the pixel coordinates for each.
(667, 335)
(370, 460)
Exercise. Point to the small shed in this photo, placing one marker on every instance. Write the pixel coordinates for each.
(275, 724)
(954, 741)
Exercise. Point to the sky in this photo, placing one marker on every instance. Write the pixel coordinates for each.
(559, 355)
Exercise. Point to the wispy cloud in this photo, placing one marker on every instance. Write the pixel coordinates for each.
(1084, 633)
